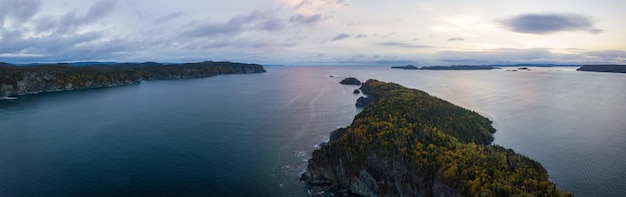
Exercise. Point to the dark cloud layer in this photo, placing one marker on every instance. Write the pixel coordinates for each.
(402, 45)
(305, 19)
(340, 37)
(71, 21)
(550, 23)
(56, 34)
(110, 30)
(19, 10)
(255, 21)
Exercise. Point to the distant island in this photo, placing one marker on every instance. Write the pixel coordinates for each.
(456, 67)
(408, 143)
(407, 67)
(350, 81)
(603, 68)
(21, 80)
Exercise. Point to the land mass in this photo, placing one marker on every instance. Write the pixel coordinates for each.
(408, 143)
(603, 68)
(350, 81)
(21, 80)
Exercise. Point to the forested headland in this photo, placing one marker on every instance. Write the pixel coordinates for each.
(20, 80)
(408, 143)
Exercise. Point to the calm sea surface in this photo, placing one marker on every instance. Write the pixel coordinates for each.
(247, 135)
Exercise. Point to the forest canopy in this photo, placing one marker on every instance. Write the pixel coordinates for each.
(408, 143)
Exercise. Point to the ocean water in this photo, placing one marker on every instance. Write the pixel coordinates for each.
(248, 135)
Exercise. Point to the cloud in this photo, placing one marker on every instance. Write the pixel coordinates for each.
(19, 10)
(255, 21)
(340, 37)
(14, 42)
(99, 9)
(608, 53)
(610, 56)
(305, 3)
(50, 35)
(360, 36)
(389, 35)
(455, 39)
(369, 59)
(70, 22)
(514, 56)
(497, 54)
(402, 45)
(305, 19)
(550, 23)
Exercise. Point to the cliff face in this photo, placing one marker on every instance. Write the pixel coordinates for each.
(408, 143)
(20, 80)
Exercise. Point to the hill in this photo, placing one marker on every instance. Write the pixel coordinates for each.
(408, 143)
(20, 80)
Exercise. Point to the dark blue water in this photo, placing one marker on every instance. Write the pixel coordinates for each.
(233, 135)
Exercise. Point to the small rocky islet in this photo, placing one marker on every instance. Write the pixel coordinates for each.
(350, 81)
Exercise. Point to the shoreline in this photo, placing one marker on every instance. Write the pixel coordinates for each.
(23, 80)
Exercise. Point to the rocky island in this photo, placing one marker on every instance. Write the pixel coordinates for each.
(350, 81)
(21, 80)
(603, 68)
(408, 143)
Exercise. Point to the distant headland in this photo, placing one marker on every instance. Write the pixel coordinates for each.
(613, 68)
(408, 143)
(36, 78)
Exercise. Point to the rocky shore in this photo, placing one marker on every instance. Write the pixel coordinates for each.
(21, 80)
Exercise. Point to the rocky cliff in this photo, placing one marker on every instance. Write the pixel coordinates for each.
(20, 80)
(408, 143)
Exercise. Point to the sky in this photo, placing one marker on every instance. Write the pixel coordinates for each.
(315, 32)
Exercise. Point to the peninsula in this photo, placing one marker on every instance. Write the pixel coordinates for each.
(603, 68)
(21, 80)
(408, 143)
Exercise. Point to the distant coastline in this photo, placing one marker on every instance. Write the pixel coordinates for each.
(20, 80)
(604, 68)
